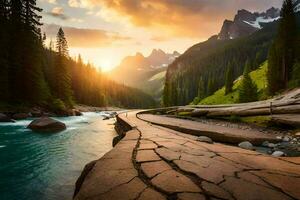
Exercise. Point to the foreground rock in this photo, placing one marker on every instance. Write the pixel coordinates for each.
(46, 124)
(155, 163)
(5, 118)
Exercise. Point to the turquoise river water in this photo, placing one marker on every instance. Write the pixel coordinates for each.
(35, 166)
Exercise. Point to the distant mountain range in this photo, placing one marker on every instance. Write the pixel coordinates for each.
(146, 73)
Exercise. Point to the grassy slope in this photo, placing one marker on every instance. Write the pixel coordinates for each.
(219, 97)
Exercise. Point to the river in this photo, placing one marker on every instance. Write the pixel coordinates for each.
(46, 166)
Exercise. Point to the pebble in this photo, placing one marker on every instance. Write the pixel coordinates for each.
(297, 134)
(246, 145)
(286, 139)
(205, 139)
(279, 137)
(272, 145)
(265, 144)
(278, 154)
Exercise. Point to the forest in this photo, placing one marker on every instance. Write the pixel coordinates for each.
(33, 73)
(208, 66)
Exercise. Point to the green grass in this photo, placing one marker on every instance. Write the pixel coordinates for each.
(263, 121)
(219, 97)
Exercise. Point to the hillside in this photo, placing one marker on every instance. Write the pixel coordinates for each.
(219, 97)
(208, 61)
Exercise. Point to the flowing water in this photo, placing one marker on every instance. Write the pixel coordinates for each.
(35, 166)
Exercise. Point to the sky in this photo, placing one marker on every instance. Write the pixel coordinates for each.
(103, 32)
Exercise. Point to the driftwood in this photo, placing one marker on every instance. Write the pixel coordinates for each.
(291, 120)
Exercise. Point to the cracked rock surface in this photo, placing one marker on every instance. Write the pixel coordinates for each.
(155, 163)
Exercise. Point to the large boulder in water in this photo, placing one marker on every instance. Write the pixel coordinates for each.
(5, 118)
(46, 124)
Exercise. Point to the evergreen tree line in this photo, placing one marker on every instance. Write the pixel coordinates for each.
(284, 54)
(31, 74)
(208, 66)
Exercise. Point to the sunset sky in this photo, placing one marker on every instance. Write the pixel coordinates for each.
(105, 31)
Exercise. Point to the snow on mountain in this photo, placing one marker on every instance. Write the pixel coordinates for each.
(260, 20)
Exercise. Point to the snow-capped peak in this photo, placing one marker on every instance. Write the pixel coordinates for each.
(260, 20)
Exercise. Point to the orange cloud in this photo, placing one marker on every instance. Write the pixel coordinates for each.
(187, 18)
(84, 38)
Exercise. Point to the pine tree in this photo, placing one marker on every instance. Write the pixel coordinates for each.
(63, 78)
(282, 54)
(247, 88)
(201, 89)
(4, 81)
(211, 85)
(295, 81)
(35, 87)
(229, 79)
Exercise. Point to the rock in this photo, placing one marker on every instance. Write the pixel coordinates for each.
(246, 145)
(272, 145)
(278, 153)
(279, 137)
(77, 113)
(286, 139)
(116, 140)
(265, 144)
(19, 116)
(297, 134)
(88, 167)
(5, 118)
(46, 124)
(105, 118)
(205, 139)
(36, 113)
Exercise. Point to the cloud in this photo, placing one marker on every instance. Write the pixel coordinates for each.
(52, 1)
(74, 3)
(58, 12)
(85, 38)
(187, 18)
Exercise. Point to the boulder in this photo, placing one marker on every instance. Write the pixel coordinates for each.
(5, 118)
(19, 116)
(246, 145)
(46, 124)
(77, 112)
(278, 154)
(205, 139)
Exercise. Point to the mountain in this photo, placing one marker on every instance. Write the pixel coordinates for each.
(146, 73)
(246, 23)
(204, 65)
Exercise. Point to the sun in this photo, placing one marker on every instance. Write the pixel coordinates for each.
(105, 65)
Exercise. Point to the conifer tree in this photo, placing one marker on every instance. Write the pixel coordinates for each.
(295, 81)
(283, 52)
(229, 79)
(63, 77)
(4, 81)
(247, 88)
(201, 89)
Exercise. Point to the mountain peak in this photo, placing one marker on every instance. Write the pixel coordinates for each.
(157, 52)
(246, 22)
(138, 54)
